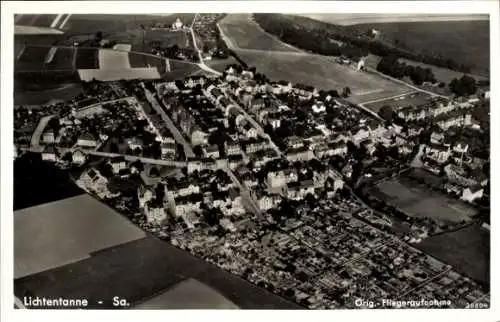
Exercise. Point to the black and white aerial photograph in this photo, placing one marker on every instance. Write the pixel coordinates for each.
(234, 160)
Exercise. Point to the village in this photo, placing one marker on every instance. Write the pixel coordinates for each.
(257, 177)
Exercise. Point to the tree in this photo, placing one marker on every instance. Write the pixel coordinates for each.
(137, 151)
(386, 113)
(113, 148)
(154, 172)
(346, 91)
(198, 151)
(105, 169)
(98, 36)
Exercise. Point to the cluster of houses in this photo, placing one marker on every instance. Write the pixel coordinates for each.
(444, 112)
(186, 198)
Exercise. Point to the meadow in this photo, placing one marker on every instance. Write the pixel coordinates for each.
(417, 200)
(244, 33)
(323, 73)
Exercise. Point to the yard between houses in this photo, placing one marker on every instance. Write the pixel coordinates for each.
(244, 33)
(417, 200)
(321, 72)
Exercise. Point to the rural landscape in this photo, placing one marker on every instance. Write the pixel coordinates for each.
(251, 161)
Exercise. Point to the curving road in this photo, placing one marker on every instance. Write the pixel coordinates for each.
(42, 124)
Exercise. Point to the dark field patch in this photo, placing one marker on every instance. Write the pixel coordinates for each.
(108, 23)
(87, 58)
(138, 60)
(139, 270)
(466, 42)
(62, 93)
(37, 182)
(62, 59)
(467, 250)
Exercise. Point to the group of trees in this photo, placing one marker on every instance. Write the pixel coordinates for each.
(390, 65)
(324, 38)
(463, 86)
(315, 40)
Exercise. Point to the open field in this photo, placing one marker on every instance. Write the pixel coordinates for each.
(152, 37)
(62, 59)
(65, 231)
(416, 98)
(112, 59)
(466, 42)
(63, 93)
(417, 200)
(43, 86)
(107, 75)
(138, 60)
(467, 249)
(346, 19)
(44, 20)
(322, 72)
(37, 182)
(87, 58)
(221, 64)
(443, 74)
(140, 270)
(111, 23)
(188, 294)
(244, 33)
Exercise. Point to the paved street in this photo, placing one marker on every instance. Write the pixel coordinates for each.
(188, 151)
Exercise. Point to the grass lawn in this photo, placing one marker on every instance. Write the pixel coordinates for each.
(467, 250)
(417, 200)
(87, 58)
(323, 73)
(244, 33)
(466, 42)
(415, 98)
